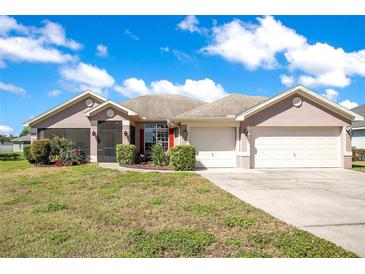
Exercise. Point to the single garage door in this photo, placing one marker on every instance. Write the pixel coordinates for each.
(281, 147)
(215, 146)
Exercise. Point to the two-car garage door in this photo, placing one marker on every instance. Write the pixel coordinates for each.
(270, 147)
(281, 147)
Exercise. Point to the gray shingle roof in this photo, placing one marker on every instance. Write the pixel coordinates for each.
(233, 104)
(161, 107)
(359, 110)
(25, 138)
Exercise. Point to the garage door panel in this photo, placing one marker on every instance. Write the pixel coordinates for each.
(295, 147)
(215, 146)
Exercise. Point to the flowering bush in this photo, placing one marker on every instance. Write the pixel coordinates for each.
(63, 152)
(72, 155)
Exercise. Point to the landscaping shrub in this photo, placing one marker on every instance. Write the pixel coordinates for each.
(40, 151)
(126, 154)
(9, 156)
(158, 155)
(65, 152)
(182, 157)
(358, 154)
(28, 154)
(72, 156)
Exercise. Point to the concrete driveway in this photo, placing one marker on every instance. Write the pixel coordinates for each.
(329, 203)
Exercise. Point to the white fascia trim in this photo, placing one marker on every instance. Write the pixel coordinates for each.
(215, 119)
(110, 103)
(61, 106)
(358, 128)
(300, 89)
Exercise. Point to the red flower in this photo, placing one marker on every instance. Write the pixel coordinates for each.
(58, 164)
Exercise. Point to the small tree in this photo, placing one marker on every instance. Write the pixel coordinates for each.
(158, 155)
(25, 131)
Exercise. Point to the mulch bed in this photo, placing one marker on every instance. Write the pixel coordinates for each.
(148, 165)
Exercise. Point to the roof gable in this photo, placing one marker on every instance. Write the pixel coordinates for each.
(64, 105)
(107, 104)
(308, 94)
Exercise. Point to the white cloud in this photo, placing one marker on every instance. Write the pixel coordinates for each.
(287, 80)
(12, 88)
(349, 104)
(181, 56)
(5, 130)
(331, 94)
(87, 76)
(131, 35)
(32, 44)
(55, 34)
(258, 46)
(30, 50)
(205, 89)
(132, 87)
(101, 50)
(8, 24)
(190, 23)
(253, 46)
(54, 93)
(325, 65)
(164, 49)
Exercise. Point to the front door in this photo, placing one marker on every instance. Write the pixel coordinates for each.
(109, 135)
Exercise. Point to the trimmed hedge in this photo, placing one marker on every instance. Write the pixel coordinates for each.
(9, 156)
(182, 157)
(41, 150)
(28, 154)
(126, 154)
(358, 154)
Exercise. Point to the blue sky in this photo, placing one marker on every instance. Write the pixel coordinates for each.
(45, 60)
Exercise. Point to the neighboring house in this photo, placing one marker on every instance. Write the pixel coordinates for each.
(297, 128)
(6, 146)
(358, 129)
(20, 142)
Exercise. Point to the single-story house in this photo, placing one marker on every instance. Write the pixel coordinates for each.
(358, 128)
(296, 128)
(20, 142)
(6, 146)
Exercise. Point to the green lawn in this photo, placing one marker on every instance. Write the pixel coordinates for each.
(88, 211)
(359, 166)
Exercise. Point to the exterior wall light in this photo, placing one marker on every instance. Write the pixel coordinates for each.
(349, 130)
(93, 133)
(185, 134)
(125, 133)
(246, 131)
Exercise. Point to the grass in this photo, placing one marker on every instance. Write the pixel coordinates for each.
(358, 166)
(88, 211)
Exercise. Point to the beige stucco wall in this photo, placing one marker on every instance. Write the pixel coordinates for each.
(71, 117)
(101, 115)
(308, 114)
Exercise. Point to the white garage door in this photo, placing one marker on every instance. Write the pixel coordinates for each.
(280, 147)
(215, 146)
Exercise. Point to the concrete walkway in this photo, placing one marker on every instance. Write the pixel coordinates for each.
(329, 203)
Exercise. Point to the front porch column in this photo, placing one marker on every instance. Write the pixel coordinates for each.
(126, 134)
(346, 160)
(93, 141)
(243, 157)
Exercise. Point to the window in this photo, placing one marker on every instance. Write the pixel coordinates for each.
(156, 133)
